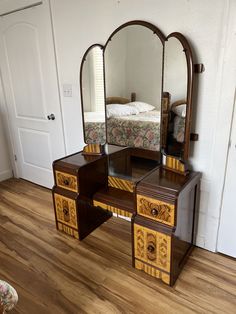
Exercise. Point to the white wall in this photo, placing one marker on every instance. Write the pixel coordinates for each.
(208, 25)
(145, 53)
(130, 58)
(175, 70)
(115, 59)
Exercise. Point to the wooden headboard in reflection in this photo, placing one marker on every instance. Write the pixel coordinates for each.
(165, 117)
(166, 102)
(120, 100)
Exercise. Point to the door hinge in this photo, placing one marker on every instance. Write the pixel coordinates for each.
(15, 157)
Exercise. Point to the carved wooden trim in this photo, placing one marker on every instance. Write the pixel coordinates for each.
(121, 184)
(156, 210)
(152, 247)
(115, 210)
(68, 230)
(152, 271)
(66, 212)
(66, 181)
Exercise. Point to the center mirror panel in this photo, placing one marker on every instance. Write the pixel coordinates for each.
(133, 60)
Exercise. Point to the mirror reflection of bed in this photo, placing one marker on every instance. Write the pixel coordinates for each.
(132, 123)
(130, 113)
(130, 57)
(176, 128)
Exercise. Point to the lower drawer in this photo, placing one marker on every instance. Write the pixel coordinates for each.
(66, 211)
(152, 247)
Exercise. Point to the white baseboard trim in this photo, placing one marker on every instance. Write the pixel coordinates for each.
(4, 175)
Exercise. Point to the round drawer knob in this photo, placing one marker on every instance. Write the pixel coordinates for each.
(66, 211)
(151, 248)
(66, 182)
(154, 212)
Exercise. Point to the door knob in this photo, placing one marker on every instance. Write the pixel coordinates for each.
(51, 117)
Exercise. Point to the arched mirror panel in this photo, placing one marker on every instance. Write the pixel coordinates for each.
(92, 95)
(177, 84)
(133, 74)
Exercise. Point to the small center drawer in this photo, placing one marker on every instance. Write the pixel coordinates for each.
(66, 210)
(152, 247)
(67, 181)
(156, 210)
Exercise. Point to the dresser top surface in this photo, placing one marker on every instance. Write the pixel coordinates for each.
(167, 180)
(78, 160)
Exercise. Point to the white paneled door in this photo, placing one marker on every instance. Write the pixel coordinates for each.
(29, 78)
(227, 230)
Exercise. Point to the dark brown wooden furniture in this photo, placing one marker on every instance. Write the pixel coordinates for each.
(77, 178)
(152, 188)
(163, 228)
(160, 203)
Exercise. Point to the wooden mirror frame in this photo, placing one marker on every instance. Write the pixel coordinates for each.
(190, 72)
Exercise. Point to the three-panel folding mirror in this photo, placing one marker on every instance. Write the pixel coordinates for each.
(136, 90)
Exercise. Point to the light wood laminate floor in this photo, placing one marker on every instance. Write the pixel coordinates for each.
(54, 273)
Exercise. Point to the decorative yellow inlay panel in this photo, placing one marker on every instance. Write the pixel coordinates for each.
(174, 163)
(152, 247)
(66, 210)
(93, 149)
(121, 184)
(156, 210)
(68, 230)
(66, 181)
(115, 210)
(152, 271)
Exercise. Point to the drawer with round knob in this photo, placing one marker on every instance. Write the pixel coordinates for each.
(157, 210)
(66, 211)
(152, 247)
(66, 181)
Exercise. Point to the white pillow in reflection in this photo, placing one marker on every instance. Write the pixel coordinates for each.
(180, 110)
(118, 110)
(141, 106)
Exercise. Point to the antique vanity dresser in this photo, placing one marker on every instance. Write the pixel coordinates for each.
(136, 94)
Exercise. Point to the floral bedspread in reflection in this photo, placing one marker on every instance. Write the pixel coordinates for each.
(142, 130)
(95, 132)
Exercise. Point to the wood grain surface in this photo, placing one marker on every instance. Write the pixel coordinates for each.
(54, 273)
